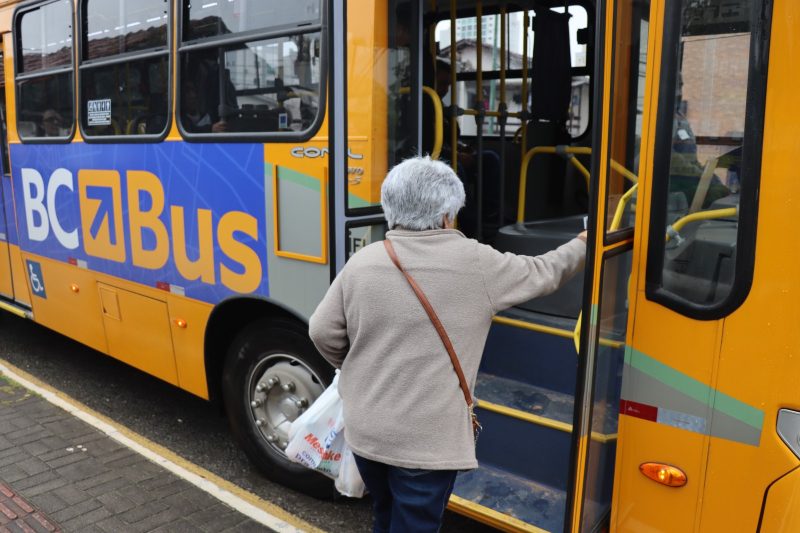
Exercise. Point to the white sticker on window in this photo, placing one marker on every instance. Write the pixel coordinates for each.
(99, 112)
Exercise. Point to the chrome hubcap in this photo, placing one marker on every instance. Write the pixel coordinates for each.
(280, 389)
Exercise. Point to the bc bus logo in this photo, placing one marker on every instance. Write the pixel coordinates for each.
(125, 217)
(36, 279)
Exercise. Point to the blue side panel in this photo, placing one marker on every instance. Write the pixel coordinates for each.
(226, 180)
(3, 211)
(7, 223)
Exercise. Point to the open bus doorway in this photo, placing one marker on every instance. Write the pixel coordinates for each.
(463, 83)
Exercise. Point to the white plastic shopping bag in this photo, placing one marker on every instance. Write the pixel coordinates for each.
(349, 481)
(316, 440)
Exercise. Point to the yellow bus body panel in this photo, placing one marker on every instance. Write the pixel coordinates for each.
(782, 511)
(6, 283)
(760, 355)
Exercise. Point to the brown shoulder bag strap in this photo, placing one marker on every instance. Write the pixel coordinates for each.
(439, 329)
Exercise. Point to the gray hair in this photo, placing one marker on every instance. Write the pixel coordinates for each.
(419, 192)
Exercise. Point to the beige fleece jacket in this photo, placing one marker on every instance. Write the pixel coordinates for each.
(402, 401)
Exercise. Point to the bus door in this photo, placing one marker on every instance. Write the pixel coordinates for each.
(602, 328)
(698, 400)
(373, 81)
(6, 202)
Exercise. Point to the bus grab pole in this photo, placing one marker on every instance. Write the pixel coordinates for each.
(503, 43)
(524, 111)
(479, 119)
(453, 113)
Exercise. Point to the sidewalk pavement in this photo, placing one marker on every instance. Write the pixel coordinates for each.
(58, 474)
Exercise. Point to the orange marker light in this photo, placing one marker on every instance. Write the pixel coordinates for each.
(668, 475)
(74, 287)
(181, 323)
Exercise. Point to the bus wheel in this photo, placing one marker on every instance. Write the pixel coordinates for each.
(272, 374)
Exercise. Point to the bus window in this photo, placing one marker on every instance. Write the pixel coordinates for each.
(631, 30)
(250, 67)
(708, 154)
(124, 94)
(3, 114)
(45, 106)
(466, 61)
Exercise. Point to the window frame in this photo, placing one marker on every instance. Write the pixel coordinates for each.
(516, 74)
(613, 237)
(126, 57)
(16, 35)
(752, 147)
(245, 37)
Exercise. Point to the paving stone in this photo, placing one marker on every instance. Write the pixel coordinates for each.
(99, 479)
(108, 486)
(72, 495)
(142, 471)
(15, 456)
(39, 483)
(82, 521)
(160, 519)
(141, 512)
(26, 435)
(50, 484)
(12, 473)
(113, 524)
(33, 466)
(219, 517)
(179, 526)
(49, 502)
(67, 458)
(76, 509)
(116, 502)
(82, 470)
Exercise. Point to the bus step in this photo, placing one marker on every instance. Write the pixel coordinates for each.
(15, 308)
(533, 357)
(536, 451)
(520, 399)
(507, 501)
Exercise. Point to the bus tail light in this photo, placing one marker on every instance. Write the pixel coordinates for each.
(668, 475)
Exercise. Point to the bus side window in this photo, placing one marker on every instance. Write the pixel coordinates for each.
(267, 81)
(3, 115)
(124, 71)
(707, 161)
(45, 107)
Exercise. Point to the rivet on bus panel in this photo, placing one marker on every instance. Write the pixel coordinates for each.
(181, 323)
(668, 475)
(74, 288)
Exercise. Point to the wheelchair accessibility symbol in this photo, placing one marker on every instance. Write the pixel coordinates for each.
(36, 279)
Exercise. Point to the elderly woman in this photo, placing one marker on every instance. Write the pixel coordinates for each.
(405, 414)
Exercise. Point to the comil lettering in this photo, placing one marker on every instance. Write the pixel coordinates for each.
(100, 201)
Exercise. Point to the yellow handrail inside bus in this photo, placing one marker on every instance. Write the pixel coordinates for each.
(523, 173)
(623, 202)
(561, 150)
(438, 118)
(615, 222)
(675, 227)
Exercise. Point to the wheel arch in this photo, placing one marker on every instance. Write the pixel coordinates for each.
(227, 319)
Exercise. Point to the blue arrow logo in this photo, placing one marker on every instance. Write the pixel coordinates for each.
(104, 212)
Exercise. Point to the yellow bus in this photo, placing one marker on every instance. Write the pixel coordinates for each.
(182, 180)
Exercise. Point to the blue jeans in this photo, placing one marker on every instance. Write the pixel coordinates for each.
(404, 499)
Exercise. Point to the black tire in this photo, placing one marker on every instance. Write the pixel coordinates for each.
(255, 352)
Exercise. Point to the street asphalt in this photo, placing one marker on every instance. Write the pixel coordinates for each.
(185, 424)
